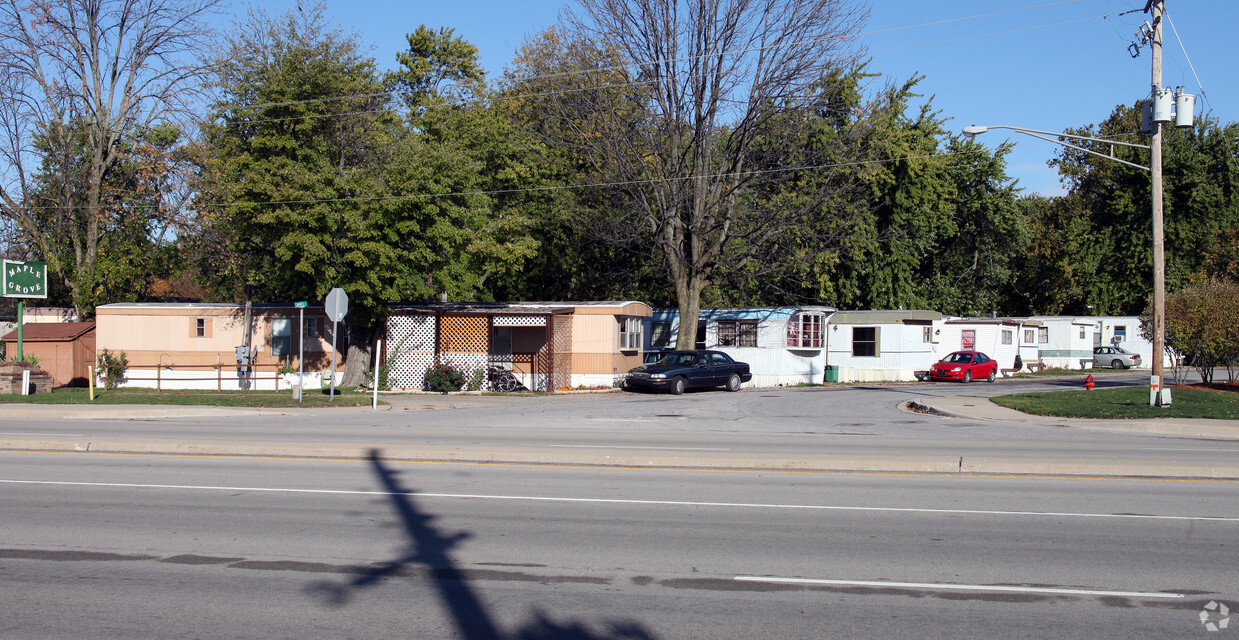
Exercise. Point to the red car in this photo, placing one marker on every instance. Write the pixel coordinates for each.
(965, 366)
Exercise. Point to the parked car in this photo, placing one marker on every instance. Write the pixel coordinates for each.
(1115, 357)
(678, 371)
(965, 366)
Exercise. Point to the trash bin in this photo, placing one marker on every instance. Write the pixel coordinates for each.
(832, 374)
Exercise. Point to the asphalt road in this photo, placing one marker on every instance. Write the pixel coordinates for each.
(145, 546)
(859, 428)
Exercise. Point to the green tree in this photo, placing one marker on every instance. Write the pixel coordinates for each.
(1201, 183)
(89, 86)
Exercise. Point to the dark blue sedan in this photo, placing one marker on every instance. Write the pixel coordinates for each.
(678, 371)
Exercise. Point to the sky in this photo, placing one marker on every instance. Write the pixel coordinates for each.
(1037, 64)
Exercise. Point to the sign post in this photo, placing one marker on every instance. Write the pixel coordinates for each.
(23, 280)
(336, 307)
(301, 353)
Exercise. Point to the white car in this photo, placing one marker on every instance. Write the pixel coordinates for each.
(1115, 357)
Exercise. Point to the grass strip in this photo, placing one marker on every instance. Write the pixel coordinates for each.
(1126, 402)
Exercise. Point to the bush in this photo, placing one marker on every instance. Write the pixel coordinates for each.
(476, 380)
(384, 374)
(113, 367)
(444, 377)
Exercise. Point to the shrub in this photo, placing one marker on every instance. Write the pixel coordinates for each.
(113, 367)
(444, 377)
(476, 380)
(384, 374)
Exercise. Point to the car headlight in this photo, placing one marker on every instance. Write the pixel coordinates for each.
(957, 369)
(658, 376)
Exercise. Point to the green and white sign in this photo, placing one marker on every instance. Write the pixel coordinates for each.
(25, 279)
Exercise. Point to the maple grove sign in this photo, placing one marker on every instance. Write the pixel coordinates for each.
(24, 279)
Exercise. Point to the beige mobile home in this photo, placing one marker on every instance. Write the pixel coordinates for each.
(547, 346)
(201, 346)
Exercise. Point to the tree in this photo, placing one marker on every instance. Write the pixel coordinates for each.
(1202, 327)
(1201, 202)
(85, 83)
(673, 129)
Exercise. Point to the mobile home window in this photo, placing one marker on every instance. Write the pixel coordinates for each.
(310, 337)
(630, 334)
(1120, 332)
(1030, 336)
(660, 334)
(1043, 335)
(281, 337)
(1082, 335)
(1007, 336)
(737, 333)
(804, 331)
(200, 327)
(927, 334)
(864, 341)
(968, 339)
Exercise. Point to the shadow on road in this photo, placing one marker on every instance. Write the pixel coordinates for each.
(430, 548)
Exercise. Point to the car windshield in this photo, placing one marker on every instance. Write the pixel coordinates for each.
(958, 358)
(678, 359)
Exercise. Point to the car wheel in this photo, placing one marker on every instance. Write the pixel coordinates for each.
(679, 385)
(967, 377)
(733, 383)
(1117, 364)
(993, 374)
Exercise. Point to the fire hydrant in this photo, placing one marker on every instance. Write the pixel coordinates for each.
(1088, 382)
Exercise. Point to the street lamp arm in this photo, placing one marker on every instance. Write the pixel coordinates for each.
(976, 130)
(1079, 148)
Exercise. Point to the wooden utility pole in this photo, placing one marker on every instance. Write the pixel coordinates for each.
(1155, 7)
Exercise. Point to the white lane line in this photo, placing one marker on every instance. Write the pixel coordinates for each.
(1202, 450)
(937, 586)
(66, 435)
(590, 446)
(674, 503)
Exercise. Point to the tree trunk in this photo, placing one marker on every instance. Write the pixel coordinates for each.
(688, 293)
(360, 354)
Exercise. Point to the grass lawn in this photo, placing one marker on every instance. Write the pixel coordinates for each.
(282, 399)
(1127, 402)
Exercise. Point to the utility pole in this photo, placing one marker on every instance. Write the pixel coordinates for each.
(1155, 7)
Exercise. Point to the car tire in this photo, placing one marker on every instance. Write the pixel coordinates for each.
(679, 385)
(1117, 364)
(993, 375)
(734, 382)
(967, 377)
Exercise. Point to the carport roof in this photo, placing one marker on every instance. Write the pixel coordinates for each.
(50, 332)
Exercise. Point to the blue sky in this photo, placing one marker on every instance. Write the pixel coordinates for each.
(1038, 64)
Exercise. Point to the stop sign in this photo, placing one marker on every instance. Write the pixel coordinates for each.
(336, 304)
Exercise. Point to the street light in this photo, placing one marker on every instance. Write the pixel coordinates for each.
(1159, 268)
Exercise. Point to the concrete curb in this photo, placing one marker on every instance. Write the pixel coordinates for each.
(721, 461)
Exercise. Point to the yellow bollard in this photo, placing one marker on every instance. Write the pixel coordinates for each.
(91, 382)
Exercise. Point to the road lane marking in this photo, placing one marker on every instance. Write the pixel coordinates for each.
(57, 435)
(590, 446)
(940, 586)
(630, 501)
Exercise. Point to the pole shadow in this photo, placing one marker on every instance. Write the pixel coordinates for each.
(429, 548)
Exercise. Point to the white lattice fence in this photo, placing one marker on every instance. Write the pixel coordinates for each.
(410, 350)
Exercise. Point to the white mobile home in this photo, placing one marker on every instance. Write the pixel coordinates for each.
(782, 345)
(1066, 342)
(884, 345)
(1002, 339)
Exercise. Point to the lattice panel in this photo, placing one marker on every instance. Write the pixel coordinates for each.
(520, 321)
(561, 360)
(410, 350)
(464, 334)
(468, 363)
(407, 370)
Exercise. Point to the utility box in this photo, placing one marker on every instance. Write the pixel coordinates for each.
(832, 373)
